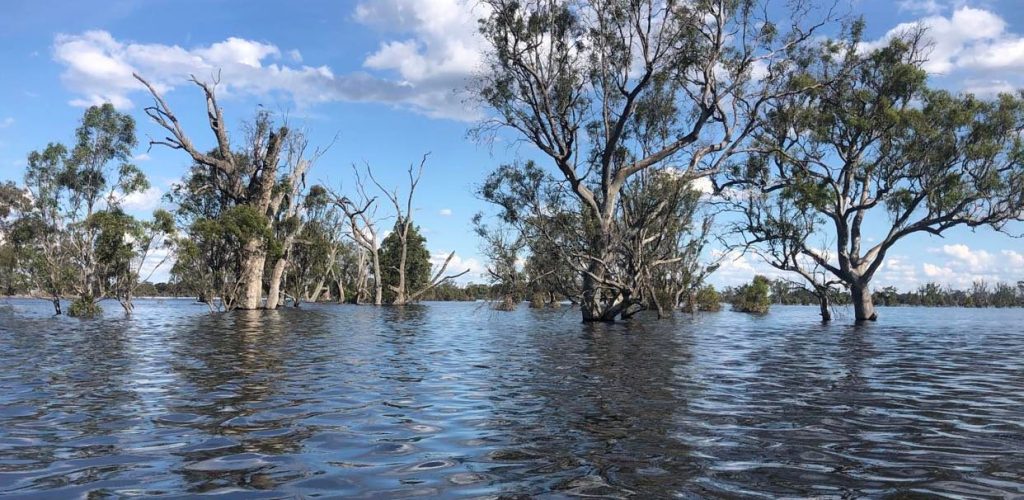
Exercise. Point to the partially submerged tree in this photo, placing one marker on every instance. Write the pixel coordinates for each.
(400, 263)
(753, 297)
(15, 205)
(405, 263)
(362, 229)
(320, 256)
(134, 250)
(63, 237)
(873, 140)
(504, 248)
(406, 276)
(254, 178)
(608, 89)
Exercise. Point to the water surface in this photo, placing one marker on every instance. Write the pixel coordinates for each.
(454, 400)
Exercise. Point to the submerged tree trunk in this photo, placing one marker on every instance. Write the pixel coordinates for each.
(250, 292)
(56, 305)
(863, 306)
(276, 275)
(127, 304)
(595, 304)
(378, 280)
(591, 304)
(826, 314)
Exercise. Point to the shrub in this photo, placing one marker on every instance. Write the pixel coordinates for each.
(708, 299)
(753, 297)
(85, 307)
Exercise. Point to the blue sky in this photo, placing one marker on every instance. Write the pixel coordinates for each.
(386, 76)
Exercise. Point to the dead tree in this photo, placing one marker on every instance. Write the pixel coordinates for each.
(362, 224)
(404, 217)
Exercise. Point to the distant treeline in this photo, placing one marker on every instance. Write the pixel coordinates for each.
(447, 291)
(980, 294)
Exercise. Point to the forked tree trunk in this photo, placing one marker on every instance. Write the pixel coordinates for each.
(863, 306)
(593, 303)
(250, 290)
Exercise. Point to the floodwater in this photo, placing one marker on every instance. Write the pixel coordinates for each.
(454, 400)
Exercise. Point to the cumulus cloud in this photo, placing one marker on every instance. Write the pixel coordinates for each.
(157, 266)
(436, 56)
(972, 44)
(956, 265)
(737, 268)
(477, 271)
(964, 265)
(445, 212)
(143, 200)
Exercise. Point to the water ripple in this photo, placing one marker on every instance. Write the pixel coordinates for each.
(454, 400)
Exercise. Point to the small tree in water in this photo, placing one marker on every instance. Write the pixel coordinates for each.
(753, 297)
(417, 263)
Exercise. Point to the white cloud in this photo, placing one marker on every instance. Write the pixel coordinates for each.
(937, 272)
(1014, 259)
(445, 212)
(6, 122)
(703, 185)
(988, 88)
(897, 271)
(736, 268)
(157, 265)
(967, 35)
(964, 265)
(141, 157)
(143, 200)
(973, 258)
(920, 6)
(972, 46)
(477, 271)
(439, 54)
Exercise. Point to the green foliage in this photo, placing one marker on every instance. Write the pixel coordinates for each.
(872, 137)
(708, 299)
(417, 261)
(85, 307)
(753, 297)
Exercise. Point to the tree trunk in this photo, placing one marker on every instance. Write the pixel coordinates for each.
(863, 307)
(341, 292)
(593, 303)
(127, 304)
(826, 314)
(274, 292)
(590, 303)
(250, 292)
(378, 280)
(56, 305)
(400, 290)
